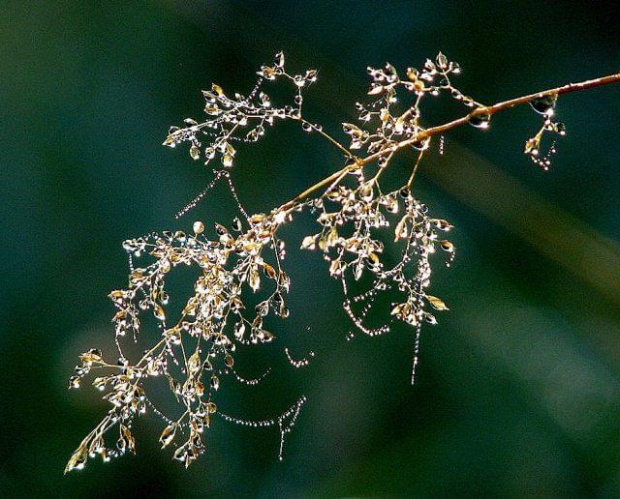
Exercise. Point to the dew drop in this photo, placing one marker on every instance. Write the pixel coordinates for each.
(544, 105)
(299, 80)
(236, 224)
(198, 227)
(227, 160)
(74, 381)
(264, 100)
(480, 120)
(560, 128)
(421, 145)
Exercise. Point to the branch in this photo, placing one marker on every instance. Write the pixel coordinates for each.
(509, 104)
(440, 129)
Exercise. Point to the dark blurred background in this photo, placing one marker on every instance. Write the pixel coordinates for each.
(517, 391)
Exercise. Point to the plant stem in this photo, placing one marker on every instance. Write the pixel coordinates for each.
(328, 137)
(509, 104)
(440, 129)
(303, 195)
(415, 170)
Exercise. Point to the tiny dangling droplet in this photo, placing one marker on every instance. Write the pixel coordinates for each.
(482, 120)
(560, 129)
(544, 105)
(236, 224)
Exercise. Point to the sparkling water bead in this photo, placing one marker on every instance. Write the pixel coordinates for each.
(422, 144)
(482, 120)
(198, 227)
(544, 105)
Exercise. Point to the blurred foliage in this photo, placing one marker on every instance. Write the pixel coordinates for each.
(518, 388)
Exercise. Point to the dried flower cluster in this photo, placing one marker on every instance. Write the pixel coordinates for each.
(360, 229)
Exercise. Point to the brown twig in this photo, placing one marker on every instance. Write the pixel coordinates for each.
(440, 129)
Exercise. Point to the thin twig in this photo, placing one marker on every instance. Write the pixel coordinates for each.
(415, 169)
(325, 135)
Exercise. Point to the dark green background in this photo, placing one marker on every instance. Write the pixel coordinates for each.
(518, 391)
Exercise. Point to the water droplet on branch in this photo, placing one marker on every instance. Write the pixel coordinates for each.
(544, 105)
(480, 120)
